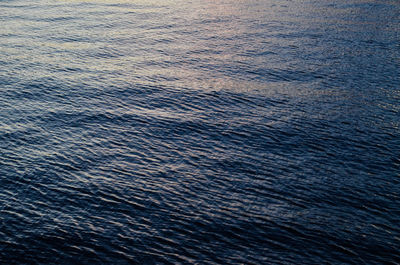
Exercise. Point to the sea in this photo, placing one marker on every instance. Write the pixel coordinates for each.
(200, 132)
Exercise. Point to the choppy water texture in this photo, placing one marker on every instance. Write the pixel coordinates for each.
(216, 132)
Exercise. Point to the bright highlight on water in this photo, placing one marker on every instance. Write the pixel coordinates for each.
(199, 132)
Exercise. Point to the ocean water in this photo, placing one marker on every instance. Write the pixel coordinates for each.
(206, 132)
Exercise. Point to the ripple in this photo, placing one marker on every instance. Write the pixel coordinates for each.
(176, 132)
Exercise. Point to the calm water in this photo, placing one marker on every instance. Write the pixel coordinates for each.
(215, 132)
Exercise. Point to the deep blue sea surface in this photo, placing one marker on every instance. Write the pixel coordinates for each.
(206, 132)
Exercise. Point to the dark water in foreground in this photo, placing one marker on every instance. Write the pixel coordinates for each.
(216, 132)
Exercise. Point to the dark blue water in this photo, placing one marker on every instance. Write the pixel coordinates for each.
(207, 132)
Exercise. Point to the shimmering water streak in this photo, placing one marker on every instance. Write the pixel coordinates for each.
(216, 132)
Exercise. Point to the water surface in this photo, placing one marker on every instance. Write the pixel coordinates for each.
(215, 132)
